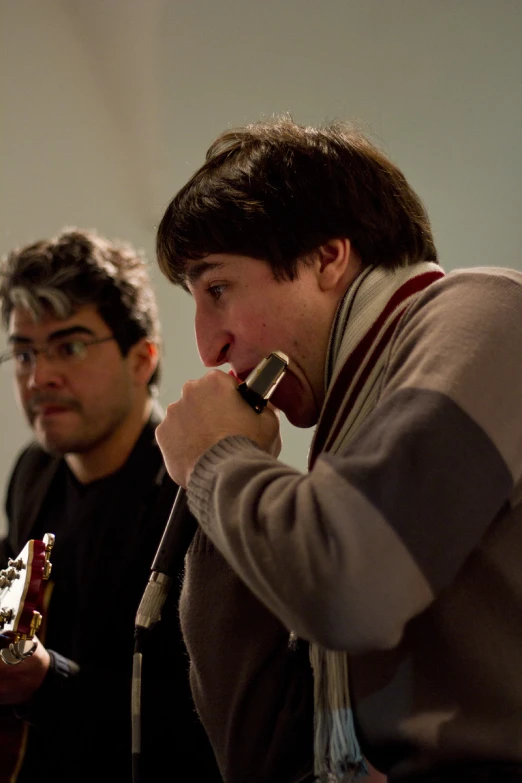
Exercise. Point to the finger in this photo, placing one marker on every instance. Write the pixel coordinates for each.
(5, 641)
(273, 408)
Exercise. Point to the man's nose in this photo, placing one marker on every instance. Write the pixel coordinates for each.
(43, 372)
(213, 342)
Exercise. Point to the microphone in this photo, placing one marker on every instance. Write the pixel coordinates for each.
(181, 526)
(177, 536)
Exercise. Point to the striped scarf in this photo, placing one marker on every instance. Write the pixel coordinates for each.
(357, 355)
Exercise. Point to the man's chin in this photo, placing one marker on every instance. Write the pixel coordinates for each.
(297, 413)
(52, 447)
(53, 443)
(301, 419)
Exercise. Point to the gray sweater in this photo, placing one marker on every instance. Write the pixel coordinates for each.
(404, 549)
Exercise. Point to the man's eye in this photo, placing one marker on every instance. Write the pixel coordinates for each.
(70, 349)
(23, 357)
(216, 290)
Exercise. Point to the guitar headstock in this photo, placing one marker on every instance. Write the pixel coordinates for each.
(21, 587)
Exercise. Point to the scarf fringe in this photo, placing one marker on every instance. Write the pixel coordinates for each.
(357, 355)
(338, 756)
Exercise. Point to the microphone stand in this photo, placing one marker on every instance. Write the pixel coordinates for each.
(177, 537)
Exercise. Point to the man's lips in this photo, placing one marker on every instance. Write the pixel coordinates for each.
(51, 408)
(242, 376)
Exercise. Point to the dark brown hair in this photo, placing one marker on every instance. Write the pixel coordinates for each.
(277, 191)
(78, 268)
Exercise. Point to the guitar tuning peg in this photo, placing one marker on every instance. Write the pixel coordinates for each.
(6, 615)
(18, 564)
(18, 652)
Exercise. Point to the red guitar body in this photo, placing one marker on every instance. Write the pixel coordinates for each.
(24, 595)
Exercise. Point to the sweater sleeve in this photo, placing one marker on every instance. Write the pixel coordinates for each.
(347, 554)
(36, 710)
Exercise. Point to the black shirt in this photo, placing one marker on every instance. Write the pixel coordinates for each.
(107, 533)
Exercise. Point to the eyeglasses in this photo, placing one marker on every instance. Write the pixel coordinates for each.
(62, 353)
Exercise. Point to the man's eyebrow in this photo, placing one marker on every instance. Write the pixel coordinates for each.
(198, 268)
(59, 333)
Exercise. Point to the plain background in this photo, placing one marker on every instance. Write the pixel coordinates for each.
(108, 106)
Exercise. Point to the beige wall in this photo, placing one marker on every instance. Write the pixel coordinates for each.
(107, 106)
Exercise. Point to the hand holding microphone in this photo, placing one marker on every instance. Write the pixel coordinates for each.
(209, 409)
(190, 427)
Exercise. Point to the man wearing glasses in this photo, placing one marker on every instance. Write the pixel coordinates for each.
(84, 335)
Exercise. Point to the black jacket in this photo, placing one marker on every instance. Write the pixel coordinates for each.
(79, 723)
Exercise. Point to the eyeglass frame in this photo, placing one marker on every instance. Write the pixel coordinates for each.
(49, 350)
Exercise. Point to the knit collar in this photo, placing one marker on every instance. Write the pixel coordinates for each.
(358, 352)
(364, 324)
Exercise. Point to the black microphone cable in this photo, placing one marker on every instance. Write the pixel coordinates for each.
(177, 537)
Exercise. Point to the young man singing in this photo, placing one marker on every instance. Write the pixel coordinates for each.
(397, 556)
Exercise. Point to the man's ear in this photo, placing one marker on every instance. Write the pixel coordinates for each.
(334, 259)
(144, 357)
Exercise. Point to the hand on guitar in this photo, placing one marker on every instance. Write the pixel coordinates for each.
(24, 662)
(19, 683)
